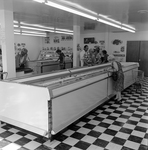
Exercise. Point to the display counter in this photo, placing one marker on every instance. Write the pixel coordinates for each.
(47, 103)
(48, 65)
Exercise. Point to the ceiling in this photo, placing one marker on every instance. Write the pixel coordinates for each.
(125, 11)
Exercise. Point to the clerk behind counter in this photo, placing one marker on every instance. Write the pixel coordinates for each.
(61, 59)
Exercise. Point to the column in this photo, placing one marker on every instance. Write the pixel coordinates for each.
(107, 40)
(76, 41)
(7, 37)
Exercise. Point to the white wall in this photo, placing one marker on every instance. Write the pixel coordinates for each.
(98, 37)
(124, 37)
(65, 43)
(109, 37)
(33, 45)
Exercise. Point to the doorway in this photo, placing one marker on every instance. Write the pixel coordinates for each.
(137, 51)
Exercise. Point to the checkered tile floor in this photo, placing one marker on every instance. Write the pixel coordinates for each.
(112, 126)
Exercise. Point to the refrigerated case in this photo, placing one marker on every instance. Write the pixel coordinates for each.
(47, 103)
(47, 61)
(42, 66)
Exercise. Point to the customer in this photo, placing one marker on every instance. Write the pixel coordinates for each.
(119, 84)
(104, 57)
(84, 55)
(61, 59)
(97, 55)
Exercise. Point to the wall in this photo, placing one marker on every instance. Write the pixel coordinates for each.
(33, 45)
(98, 37)
(124, 37)
(115, 43)
(56, 41)
(94, 32)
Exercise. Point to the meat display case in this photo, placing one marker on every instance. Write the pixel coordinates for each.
(48, 65)
(47, 103)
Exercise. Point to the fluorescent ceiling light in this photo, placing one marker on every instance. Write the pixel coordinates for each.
(109, 23)
(16, 30)
(31, 32)
(77, 6)
(63, 32)
(106, 17)
(114, 20)
(39, 1)
(15, 21)
(15, 26)
(34, 35)
(34, 32)
(129, 26)
(16, 33)
(36, 25)
(70, 10)
(143, 11)
(128, 29)
(31, 28)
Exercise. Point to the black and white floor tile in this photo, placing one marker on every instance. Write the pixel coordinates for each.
(112, 126)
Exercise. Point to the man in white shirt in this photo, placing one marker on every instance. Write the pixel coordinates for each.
(82, 54)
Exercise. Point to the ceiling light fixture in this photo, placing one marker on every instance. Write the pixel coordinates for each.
(64, 32)
(103, 16)
(143, 11)
(109, 23)
(29, 33)
(55, 5)
(33, 35)
(15, 21)
(16, 30)
(16, 33)
(95, 16)
(15, 26)
(36, 25)
(33, 32)
(39, 29)
(110, 19)
(115, 25)
(39, 1)
(77, 6)
(129, 26)
(128, 29)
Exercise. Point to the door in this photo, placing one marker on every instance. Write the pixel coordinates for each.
(133, 51)
(143, 61)
(137, 51)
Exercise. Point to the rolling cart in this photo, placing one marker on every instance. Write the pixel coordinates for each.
(139, 75)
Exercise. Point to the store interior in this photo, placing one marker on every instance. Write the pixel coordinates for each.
(45, 106)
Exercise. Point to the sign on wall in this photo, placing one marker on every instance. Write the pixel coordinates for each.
(47, 40)
(66, 38)
(56, 39)
(89, 40)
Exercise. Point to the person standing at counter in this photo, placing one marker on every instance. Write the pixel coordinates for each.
(119, 84)
(104, 57)
(61, 59)
(84, 55)
(97, 55)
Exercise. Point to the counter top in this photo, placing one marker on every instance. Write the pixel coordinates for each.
(125, 64)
